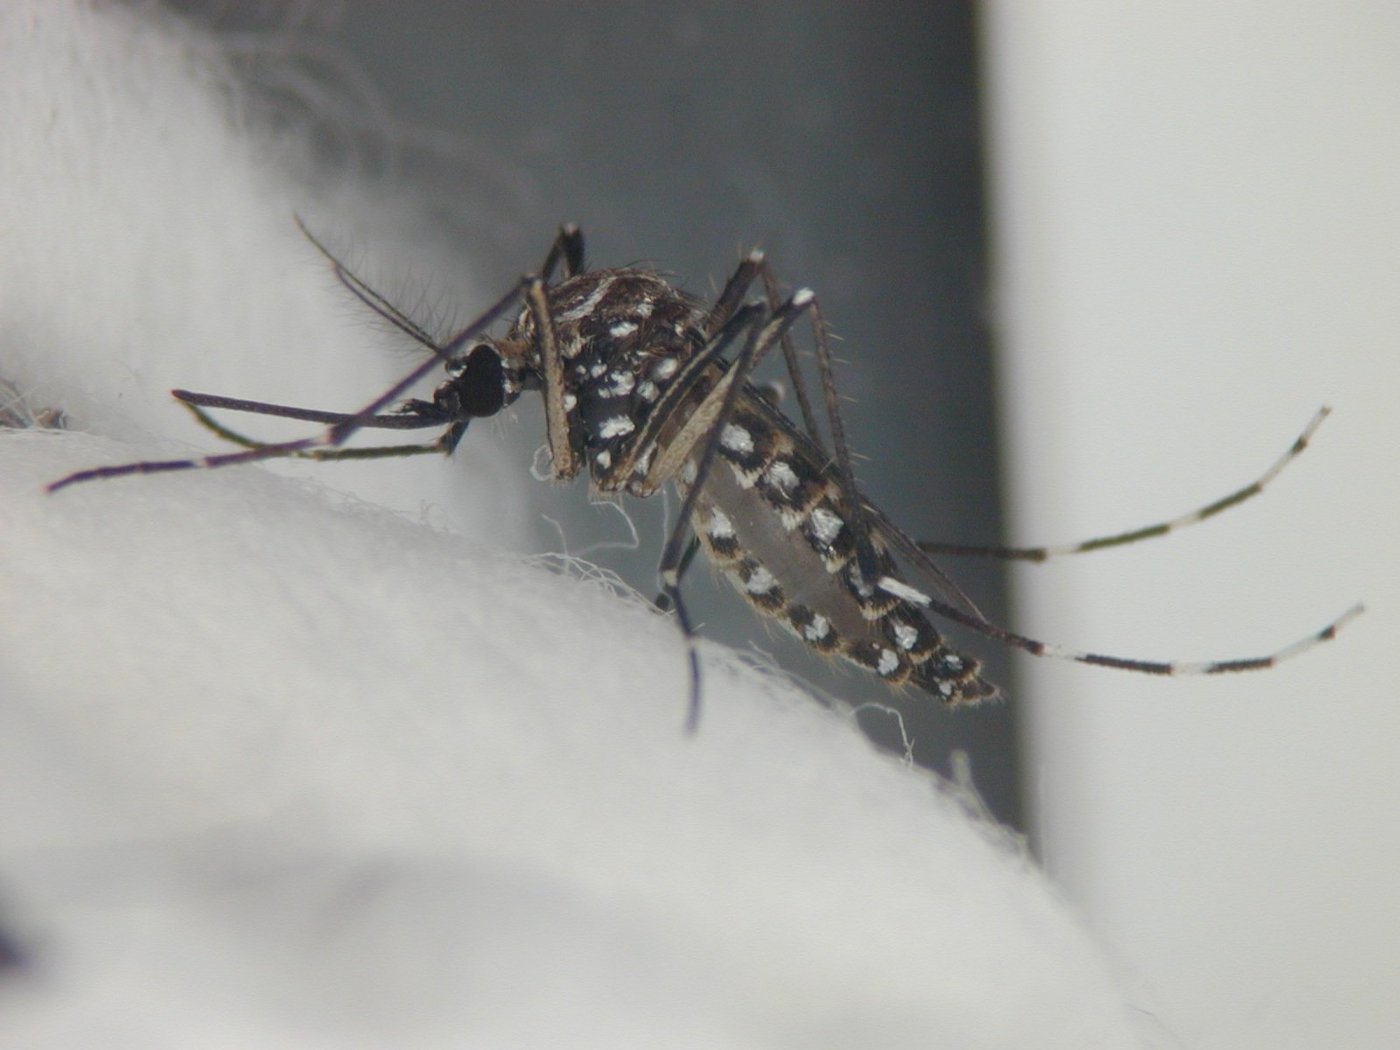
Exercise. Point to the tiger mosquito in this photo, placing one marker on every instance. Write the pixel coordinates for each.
(643, 385)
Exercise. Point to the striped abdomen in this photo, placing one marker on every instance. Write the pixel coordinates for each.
(770, 517)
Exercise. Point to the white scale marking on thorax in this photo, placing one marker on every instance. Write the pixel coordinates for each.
(617, 426)
(583, 309)
(621, 386)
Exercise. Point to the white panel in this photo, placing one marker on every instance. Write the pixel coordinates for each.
(1198, 233)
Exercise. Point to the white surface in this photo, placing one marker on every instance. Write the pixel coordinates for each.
(1199, 220)
(280, 767)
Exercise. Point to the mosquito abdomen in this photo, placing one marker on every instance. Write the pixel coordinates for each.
(769, 517)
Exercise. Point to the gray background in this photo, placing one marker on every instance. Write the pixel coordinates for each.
(843, 138)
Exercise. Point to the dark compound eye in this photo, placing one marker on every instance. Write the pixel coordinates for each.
(482, 383)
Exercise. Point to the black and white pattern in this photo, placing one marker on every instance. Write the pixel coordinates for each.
(644, 386)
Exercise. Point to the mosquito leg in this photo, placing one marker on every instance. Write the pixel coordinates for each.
(799, 386)
(1035, 647)
(755, 266)
(763, 331)
(859, 512)
(679, 397)
(661, 601)
(332, 437)
(568, 246)
(422, 414)
(855, 506)
(556, 414)
(1146, 532)
(220, 431)
(672, 555)
(732, 296)
(441, 446)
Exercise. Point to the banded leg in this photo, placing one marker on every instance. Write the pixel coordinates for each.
(909, 550)
(1145, 532)
(692, 548)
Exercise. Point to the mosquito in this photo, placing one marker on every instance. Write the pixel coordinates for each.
(644, 386)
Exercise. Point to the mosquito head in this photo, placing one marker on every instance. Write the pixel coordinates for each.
(478, 384)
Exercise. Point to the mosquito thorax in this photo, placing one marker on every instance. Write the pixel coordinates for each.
(623, 336)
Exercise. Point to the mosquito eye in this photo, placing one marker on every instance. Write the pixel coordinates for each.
(482, 383)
